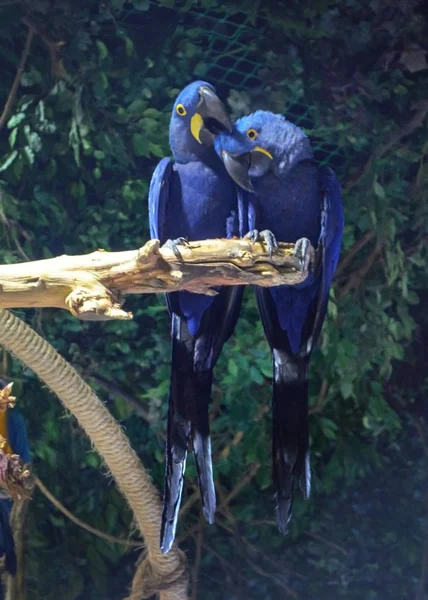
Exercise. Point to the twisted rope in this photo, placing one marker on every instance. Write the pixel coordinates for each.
(157, 573)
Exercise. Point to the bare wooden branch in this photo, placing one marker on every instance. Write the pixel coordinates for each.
(15, 86)
(92, 286)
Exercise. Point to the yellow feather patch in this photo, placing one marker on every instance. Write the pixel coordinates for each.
(260, 149)
(196, 123)
(3, 433)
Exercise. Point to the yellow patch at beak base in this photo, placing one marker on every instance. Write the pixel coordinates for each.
(260, 149)
(196, 123)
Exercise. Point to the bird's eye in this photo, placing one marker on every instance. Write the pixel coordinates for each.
(252, 134)
(181, 110)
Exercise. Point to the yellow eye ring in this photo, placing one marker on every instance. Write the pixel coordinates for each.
(252, 134)
(181, 110)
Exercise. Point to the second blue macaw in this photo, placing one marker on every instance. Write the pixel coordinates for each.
(289, 199)
(192, 198)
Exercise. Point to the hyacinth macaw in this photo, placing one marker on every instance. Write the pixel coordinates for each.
(191, 197)
(289, 199)
(14, 431)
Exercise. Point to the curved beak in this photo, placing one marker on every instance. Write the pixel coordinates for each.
(211, 108)
(238, 166)
(210, 117)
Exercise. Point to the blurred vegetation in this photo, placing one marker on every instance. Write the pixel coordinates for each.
(84, 131)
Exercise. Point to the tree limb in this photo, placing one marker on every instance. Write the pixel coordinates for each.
(416, 121)
(82, 524)
(92, 286)
(14, 89)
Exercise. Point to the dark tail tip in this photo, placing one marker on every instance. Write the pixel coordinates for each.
(208, 513)
(204, 468)
(167, 536)
(283, 513)
(305, 477)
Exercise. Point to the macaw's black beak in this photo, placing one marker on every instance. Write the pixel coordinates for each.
(213, 114)
(238, 166)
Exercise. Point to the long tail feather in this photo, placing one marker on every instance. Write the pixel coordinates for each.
(187, 421)
(193, 360)
(290, 441)
(176, 454)
(202, 444)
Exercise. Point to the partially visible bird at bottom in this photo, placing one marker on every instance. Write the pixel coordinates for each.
(14, 431)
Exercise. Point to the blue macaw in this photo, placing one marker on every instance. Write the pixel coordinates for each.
(192, 197)
(290, 199)
(14, 431)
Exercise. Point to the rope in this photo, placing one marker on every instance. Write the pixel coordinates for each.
(157, 572)
(146, 582)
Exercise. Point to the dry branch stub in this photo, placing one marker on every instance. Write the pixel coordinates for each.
(92, 286)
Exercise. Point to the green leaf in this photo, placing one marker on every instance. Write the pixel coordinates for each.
(329, 428)
(129, 46)
(8, 160)
(96, 560)
(141, 4)
(232, 367)
(102, 49)
(140, 145)
(15, 120)
(378, 189)
(12, 137)
(256, 376)
(156, 150)
(346, 389)
(93, 460)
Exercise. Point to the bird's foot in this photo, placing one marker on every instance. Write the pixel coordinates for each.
(304, 252)
(173, 244)
(265, 236)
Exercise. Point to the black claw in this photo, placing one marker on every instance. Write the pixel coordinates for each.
(265, 236)
(252, 235)
(173, 244)
(270, 241)
(303, 251)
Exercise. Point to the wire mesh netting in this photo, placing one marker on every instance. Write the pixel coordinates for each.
(232, 59)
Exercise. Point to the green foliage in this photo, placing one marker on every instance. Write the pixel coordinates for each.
(76, 158)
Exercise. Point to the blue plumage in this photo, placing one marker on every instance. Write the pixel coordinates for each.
(191, 196)
(17, 434)
(290, 199)
(18, 440)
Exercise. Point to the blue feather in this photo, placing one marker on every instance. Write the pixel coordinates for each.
(17, 434)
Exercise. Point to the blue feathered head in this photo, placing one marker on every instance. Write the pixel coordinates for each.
(261, 143)
(198, 115)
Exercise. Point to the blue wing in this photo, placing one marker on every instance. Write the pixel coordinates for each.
(186, 304)
(158, 198)
(301, 309)
(329, 243)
